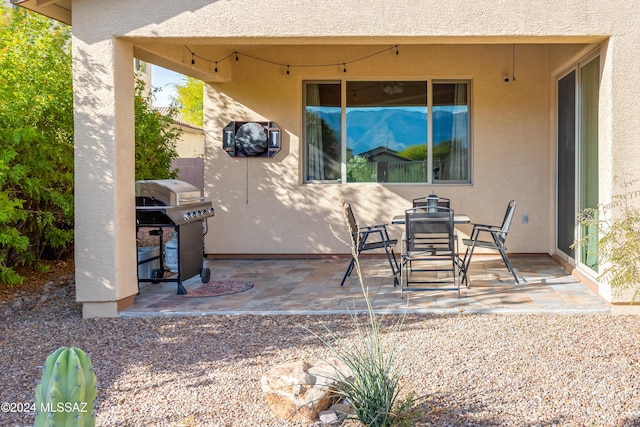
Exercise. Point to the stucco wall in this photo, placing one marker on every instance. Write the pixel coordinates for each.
(191, 144)
(264, 207)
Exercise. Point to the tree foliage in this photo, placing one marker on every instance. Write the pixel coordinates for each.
(156, 138)
(36, 132)
(414, 152)
(36, 137)
(190, 100)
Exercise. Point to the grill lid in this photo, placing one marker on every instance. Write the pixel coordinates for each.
(169, 192)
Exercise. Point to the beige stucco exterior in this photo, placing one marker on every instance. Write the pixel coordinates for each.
(263, 205)
(191, 143)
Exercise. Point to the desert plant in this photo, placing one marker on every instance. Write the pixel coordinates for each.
(371, 386)
(617, 226)
(67, 390)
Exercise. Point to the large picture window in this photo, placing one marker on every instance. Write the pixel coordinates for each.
(387, 131)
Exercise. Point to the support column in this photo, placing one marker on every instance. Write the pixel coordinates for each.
(105, 249)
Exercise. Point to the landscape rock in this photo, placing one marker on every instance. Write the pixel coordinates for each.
(299, 390)
(341, 409)
(328, 417)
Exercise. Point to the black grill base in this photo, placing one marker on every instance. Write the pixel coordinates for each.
(190, 254)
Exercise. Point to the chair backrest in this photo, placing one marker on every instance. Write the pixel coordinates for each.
(429, 228)
(424, 201)
(506, 222)
(353, 224)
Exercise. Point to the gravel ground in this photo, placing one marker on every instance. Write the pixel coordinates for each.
(472, 370)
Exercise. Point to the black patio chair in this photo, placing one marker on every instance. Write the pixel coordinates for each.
(493, 237)
(429, 245)
(370, 238)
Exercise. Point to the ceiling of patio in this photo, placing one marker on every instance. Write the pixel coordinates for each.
(199, 57)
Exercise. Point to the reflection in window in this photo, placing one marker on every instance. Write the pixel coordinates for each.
(323, 123)
(450, 132)
(386, 126)
(387, 131)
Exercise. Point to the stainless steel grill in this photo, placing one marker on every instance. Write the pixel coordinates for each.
(177, 204)
(170, 201)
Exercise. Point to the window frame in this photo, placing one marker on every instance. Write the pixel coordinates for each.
(343, 137)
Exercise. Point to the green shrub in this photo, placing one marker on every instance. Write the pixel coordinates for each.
(618, 227)
(156, 138)
(36, 131)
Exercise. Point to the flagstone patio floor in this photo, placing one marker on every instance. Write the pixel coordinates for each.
(312, 286)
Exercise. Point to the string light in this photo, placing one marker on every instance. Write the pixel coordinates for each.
(237, 54)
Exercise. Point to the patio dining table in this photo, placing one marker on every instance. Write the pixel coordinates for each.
(457, 219)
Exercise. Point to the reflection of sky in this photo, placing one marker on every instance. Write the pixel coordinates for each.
(453, 109)
(420, 109)
(394, 127)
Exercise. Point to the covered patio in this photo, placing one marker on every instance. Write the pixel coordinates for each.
(312, 286)
(544, 114)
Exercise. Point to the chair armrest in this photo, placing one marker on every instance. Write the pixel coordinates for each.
(372, 227)
(483, 227)
(381, 232)
(486, 226)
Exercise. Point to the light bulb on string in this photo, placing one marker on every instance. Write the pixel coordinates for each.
(236, 54)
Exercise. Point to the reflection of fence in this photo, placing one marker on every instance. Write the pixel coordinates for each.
(409, 171)
(414, 171)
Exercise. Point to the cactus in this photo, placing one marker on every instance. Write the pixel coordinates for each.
(67, 390)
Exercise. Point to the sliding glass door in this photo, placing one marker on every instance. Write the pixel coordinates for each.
(588, 163)
(566, 191)
(577, 157)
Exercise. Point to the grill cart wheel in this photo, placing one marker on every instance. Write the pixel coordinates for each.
(156, 274)
(205, 275)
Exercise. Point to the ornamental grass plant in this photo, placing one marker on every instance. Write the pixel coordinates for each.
(372, 384)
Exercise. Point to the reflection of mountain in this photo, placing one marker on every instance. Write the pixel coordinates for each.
(396, 129)
(392, 128)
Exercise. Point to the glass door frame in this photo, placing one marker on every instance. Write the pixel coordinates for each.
(574, 259)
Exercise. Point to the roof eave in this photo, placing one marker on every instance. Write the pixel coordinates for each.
(53, 9)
